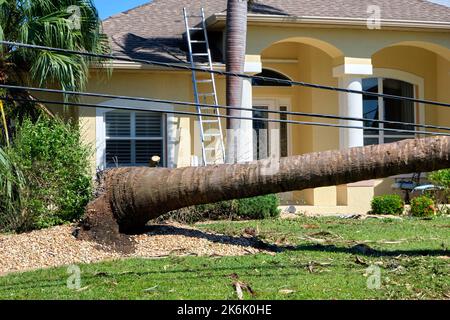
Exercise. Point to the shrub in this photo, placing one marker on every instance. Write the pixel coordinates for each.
(423, 206)
(262, 207)
(388, 204)
(441, 178)
(55, 166)
(258, 208)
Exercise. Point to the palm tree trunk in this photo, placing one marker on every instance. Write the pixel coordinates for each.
(136, 195)
(236, 40)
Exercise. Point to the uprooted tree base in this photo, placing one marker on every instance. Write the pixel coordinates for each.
(133, 196)
(99, 224)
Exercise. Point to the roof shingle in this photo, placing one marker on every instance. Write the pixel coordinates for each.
(154, 30)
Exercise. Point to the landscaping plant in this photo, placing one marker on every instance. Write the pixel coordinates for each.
(423, 206)
(255, 208)
(11, 183)
(388, 204)
(441, 178)
(56, 171)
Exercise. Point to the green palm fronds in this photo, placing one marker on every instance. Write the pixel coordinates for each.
(12, 182)
(67, 24)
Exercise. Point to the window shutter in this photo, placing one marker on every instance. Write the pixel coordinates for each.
(145, 150)
(118, 150)
(148, 124)
(118, 124)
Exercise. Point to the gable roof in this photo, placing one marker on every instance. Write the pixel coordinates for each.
(153, 31)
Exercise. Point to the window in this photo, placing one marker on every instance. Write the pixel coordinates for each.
(378, 108)
(271, 139)
(270, 74)
(132, 138)
(260, 129)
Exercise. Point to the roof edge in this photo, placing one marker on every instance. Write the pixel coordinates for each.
(311, 20)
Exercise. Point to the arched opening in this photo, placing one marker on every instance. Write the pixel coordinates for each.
(425, 61)
(435, 48)
(268, 73)
(324, 46)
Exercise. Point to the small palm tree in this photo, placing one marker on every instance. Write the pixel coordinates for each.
(67, 24)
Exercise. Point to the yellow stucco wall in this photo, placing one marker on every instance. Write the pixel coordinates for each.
(147, 84)
(307, 55)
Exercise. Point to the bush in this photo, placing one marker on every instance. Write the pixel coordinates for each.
(441, 178)
(55, 165)
(388, 204)
(423, 206)
(262, 207)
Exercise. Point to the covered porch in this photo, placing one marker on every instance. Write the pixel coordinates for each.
(369, 60)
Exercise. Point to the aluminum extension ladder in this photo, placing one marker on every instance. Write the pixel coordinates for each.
(211, 133)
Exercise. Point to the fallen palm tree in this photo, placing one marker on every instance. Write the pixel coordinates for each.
(133, 196)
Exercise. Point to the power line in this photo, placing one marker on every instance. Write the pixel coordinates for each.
(193, 104)
(224, 73)
(307, 123)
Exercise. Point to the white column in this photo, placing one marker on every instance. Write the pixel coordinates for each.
(245, 135)
(351, 105)
(350, 75)
(244, 150)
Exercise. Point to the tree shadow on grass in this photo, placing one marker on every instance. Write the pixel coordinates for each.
(367, 251)
(243, 241)
(256, 242)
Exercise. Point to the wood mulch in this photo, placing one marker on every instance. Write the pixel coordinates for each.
(62, 245)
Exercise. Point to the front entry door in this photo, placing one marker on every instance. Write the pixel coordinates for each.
(271, 138)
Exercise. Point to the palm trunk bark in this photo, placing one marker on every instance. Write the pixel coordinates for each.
(136, 195)
(236, 40)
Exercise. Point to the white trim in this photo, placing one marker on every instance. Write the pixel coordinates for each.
(352, 69)
(277, 71)
(252, 67)
(280, 61)
(338, 21)
(169, 130)
(417, 81)
(274, 103)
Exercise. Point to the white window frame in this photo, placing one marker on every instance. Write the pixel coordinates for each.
(133, 137)
(275, 104)
(419, 92)
(169, 129)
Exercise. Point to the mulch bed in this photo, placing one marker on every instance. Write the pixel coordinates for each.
(68, 244)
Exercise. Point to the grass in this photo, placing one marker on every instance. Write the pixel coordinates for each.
(321, 258)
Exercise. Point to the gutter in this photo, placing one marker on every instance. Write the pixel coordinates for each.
(219, 19)
(130, 65)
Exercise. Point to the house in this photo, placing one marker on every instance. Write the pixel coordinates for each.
(337, 43)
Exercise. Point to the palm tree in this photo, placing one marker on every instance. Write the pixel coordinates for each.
(135, 195)
(67, 24)
(235, 47)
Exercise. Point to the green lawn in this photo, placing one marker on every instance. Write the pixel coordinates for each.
(319, 258)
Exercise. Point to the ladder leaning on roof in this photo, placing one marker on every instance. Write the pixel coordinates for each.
(211, 133)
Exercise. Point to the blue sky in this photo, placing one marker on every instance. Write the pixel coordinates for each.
(108, 8)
